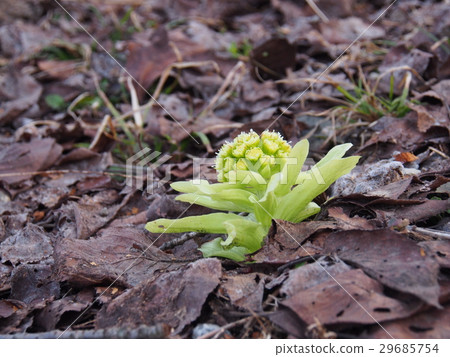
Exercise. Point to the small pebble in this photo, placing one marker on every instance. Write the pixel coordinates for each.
(203, 329)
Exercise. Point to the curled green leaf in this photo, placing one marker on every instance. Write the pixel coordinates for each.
(208, 223)
(215, 248)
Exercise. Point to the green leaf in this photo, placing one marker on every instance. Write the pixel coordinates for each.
(191, 186)
(391, 87)
(203, 138)
(215, 248)
(278, 184)
(217, 202)
(347, 94)
(207, 201)
(245, 233)
(233, 50)
(297, 216)
(335, 153)
(239, 197)
(208, 223)
(321, 178)
(264, 208)
(55, 101)
(203, 186)
(89, 100)
(293, 166)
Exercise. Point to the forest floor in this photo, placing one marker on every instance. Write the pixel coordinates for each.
(86, 86)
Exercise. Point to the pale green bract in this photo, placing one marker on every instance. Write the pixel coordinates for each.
(276, 189)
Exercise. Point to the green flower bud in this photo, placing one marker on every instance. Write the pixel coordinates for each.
(239, 150)
(254, 154)
(241, 165)
(249, 151)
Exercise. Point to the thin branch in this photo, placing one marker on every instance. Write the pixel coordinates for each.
(318, 12)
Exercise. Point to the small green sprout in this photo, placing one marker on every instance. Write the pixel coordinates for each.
(55, 101)
(261, 178)
(242, 49)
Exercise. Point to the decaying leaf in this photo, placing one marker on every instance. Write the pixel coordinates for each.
(33, 284)
(115, 254)
(310, 275)
(349, 298)
(49, 317)
(441, 250)
(21, 158)
(12, 314)
(245, 291)
(30, 245)
(17, 94)
(346, 30)
(291, 236)
(428, 324)
(175, 298)
(391, 258)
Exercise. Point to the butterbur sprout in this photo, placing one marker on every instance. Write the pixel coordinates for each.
(261, 178)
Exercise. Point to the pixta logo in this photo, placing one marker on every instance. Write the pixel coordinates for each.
(141, 169)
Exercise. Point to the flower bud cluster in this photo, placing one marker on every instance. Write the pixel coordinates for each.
(250, 152)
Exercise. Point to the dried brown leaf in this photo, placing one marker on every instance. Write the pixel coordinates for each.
(33, 284)
(20, 158)
(12, 314)
(18, 93)
(426, 325)
(29, 245)
(350, 298)
(245, 291)
(115, 254)
(310, 275)
(344, 31)
(175, 298)
(391, 258)
(292, 235)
